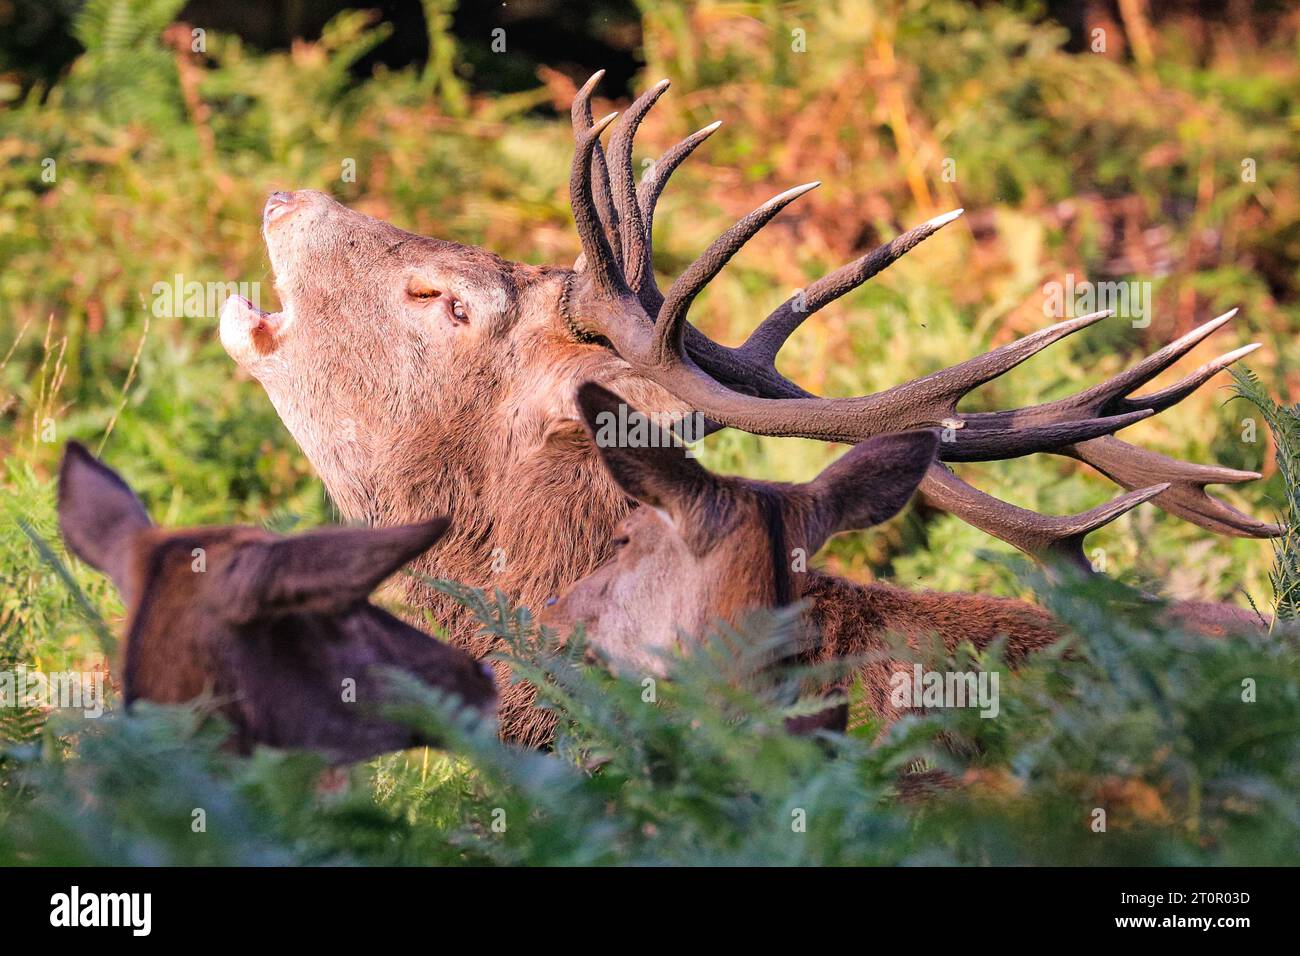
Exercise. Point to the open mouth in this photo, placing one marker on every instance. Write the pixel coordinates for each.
(247, 330)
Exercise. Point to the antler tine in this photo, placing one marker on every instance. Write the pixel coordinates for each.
(1053, 541)
(927, 401)
(1159, 401)
(952, 383)
(1012, 441)
(660, 356)
(580, 111)
(1186, 497)
(672, 315)
(595, 246)
(1108, 397)
(647, 194)
(932, 400)
(656, 178)
(1158, 361)
(766, 340)
(1101, 404)
(636, 247)
(753, 364)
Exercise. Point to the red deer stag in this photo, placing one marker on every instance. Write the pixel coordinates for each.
(423, 377)
(707, 547)
(276, 631)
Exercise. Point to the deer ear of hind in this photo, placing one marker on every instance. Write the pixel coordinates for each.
(99, 515)
(321, 572)
(870, 483)
(656, 472)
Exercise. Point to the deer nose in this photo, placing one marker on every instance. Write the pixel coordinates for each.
(279, 204)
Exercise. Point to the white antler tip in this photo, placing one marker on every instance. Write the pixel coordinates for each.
(938, 222)
(711, 127)
(790, 195)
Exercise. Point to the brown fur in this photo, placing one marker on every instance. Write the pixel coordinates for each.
(706, 547)
(407, 414)
(265, 629)
(852, 620)
(407, 411)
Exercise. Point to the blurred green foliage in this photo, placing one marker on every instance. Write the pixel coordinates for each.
(151, 159)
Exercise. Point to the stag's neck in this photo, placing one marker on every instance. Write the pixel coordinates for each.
(855, 620)
(507, 458)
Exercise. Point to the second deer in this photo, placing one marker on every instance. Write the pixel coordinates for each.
(276, 632)
(705, 547)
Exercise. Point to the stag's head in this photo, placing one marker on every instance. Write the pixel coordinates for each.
(372, 348)
(706, 547)
(270, 626)
(380, 334)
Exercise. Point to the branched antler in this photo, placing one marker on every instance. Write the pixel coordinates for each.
(1049, 539)
(612, 296)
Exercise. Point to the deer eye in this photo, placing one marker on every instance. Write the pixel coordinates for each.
(619, 542)
(419, 289)
(458, 310)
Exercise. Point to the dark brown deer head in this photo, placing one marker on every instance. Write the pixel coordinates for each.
(276, 631)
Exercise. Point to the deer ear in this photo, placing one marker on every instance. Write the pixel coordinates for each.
(322, 572)
(99, 515)
(870, 483)
(656, 471)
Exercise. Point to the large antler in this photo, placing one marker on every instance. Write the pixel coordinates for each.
(612, 296)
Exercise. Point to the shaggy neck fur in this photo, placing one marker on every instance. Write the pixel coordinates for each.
(853, 620)
(504, 455)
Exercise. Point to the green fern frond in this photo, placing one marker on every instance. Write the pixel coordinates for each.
(118, 27)
(1284, 423)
